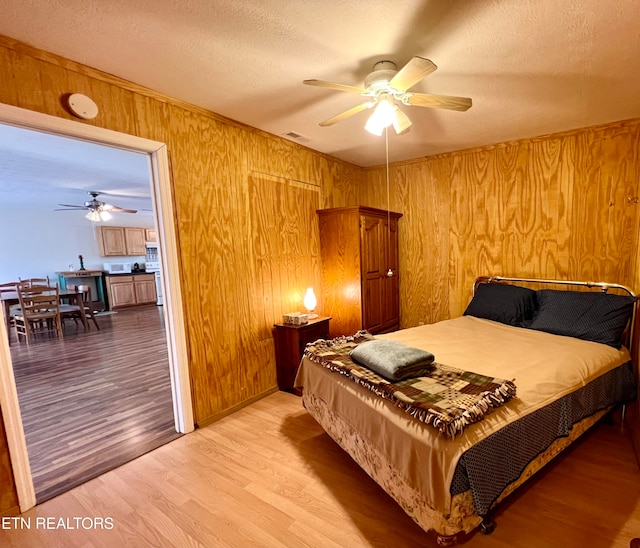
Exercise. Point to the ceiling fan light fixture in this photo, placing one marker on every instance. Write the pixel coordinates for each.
(93, 216)
(105, 215)
(383, 116)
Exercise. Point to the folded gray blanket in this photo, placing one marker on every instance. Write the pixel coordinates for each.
(392, 360)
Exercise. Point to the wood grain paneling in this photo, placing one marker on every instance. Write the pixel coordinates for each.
(341, 184)
(341, 270)
(9, 88)
(211, 158)
(423, 299)
(560, 206)
(285, 248)
(8, 495)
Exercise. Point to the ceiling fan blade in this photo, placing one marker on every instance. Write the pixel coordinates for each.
(72, 205)
(401, 122)
(347, 113)
(437, 101)
(338, 87)
(120, 210)
(71, 209)
(414, 71)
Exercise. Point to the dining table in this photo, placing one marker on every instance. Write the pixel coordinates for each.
(10, 298)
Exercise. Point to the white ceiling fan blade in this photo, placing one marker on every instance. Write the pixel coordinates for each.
(437, 101)
(414, 71)
(401, 122)
(338, 87)
(347, 113)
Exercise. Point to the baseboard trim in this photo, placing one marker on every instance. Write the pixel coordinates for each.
(217, 416)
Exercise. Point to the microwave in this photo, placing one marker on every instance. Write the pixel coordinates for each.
(117, 268)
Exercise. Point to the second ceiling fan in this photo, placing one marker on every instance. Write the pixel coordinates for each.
(386, 88)
(98, 210)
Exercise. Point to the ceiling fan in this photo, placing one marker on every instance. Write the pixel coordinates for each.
(98, 210)
(387, 88)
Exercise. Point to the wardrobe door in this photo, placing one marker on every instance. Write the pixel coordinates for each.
(390, 299)
(372, 252)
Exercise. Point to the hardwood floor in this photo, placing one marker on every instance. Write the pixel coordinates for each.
(94, 400)
(268, 476)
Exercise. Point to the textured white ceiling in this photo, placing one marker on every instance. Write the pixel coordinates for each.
(41, 171)
(531, 66)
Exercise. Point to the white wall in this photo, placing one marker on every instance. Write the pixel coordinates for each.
(37, 243)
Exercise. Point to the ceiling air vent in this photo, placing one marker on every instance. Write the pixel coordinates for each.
(296, 137)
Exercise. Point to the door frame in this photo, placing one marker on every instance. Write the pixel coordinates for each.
(173, 309)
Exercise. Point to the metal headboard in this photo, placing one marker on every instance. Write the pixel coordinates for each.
(604, 287)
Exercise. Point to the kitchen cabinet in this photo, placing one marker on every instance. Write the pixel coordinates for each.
(111, 241)
(121, 291)
(135, 238)
(150, 234)
(119, 241)
(145, 288)
(360, 278)
(131, 290)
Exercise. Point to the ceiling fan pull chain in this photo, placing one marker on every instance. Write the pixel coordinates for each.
(386, 142)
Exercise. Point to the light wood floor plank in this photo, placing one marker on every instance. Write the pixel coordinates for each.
(268, 476)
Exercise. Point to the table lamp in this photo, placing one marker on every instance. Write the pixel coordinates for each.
(310, 302)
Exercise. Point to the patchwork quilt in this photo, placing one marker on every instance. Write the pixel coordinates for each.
(446, 398)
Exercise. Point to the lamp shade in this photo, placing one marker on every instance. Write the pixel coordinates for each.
(382, 117)
(401, 122)
(385, 114)
(310, 300)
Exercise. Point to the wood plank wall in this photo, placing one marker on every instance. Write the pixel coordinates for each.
(560, 206)
(8, 494)
(286, 254)
(212, 159)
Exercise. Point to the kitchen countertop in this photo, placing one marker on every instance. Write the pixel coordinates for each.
(80, 273)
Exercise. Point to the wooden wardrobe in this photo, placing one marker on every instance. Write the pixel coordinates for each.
(359, 248)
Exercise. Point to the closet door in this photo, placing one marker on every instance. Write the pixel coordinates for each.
(390, 308)
(372, 252)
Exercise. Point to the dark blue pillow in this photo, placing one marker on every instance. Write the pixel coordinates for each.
(504, 303)
(597, 317)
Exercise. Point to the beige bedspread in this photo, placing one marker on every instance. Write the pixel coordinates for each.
(544, 367)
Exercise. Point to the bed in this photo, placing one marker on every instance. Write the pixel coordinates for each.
(564, 351)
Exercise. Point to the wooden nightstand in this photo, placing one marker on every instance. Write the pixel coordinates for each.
(290, 342)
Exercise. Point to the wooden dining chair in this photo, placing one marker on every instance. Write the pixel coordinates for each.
(69, 311)
(9, 287)
(6, 288)
(35, 281)
(39, 312)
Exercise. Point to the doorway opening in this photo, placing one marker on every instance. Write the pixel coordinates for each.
(168, 326)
